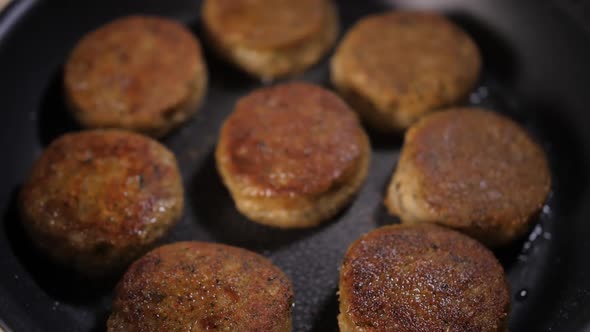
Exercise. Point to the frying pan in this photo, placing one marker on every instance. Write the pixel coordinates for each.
(536, 71)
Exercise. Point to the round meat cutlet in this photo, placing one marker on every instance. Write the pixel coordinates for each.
(138, 73)
(395, 67)
(292, 155)
(96, 200)
(271, 38)
(421, 278)
(472, 170)
(192, 286)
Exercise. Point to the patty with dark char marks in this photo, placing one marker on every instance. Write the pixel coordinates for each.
(421, 278)
(193, 286)
(96, 200)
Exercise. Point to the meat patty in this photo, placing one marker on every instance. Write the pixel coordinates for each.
(395, 67)
(96, 200)
(421, 278)
(271, 38)
(472, 170)
(292, 155)
(139, 73)
(192, 286)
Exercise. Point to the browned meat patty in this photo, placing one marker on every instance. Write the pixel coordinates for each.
(421, 278)
(292, 155)
(139, 73)
(397, 66)
(472, 170)
(271, 38)
(96, 200)
(192, 286)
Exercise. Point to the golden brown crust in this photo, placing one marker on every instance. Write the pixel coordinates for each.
(421, 278)
(270, 38)
(139, 73)
(475, 171)
(394, 67)
(192, 286)
(291, 139)
(264, 23)
(290, 148)
(98, 199)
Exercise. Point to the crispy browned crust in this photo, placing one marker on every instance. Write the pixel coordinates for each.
(293, 143)
(291, 139)
(140, 73)
(269, 38)
(192, 286)
(421, 278)
(475, 171)
(264, 23)
(397, 66)
(97, 199)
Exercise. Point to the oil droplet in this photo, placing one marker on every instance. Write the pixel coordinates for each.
(522, 295)
(537, 231)
(479, 96)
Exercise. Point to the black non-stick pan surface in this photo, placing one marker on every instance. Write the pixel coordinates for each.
(536, 70)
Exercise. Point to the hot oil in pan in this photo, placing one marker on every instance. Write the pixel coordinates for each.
(526, 260)
(311, 258)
